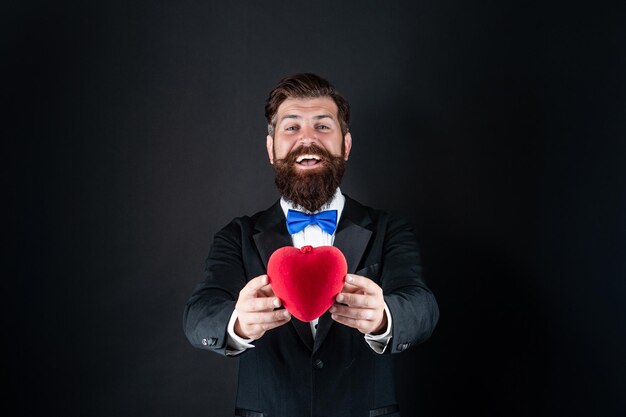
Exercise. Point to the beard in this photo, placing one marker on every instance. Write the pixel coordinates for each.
(311, 188)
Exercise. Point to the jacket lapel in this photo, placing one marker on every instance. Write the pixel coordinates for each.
(272, 234)
(352, 238)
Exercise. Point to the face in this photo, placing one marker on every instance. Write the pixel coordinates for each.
(308, 151)
(305, 122)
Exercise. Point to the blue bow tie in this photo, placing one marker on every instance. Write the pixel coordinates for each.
(297, 221)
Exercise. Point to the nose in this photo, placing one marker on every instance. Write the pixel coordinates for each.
(309, 135)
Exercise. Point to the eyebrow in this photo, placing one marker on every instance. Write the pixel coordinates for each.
(318, 117)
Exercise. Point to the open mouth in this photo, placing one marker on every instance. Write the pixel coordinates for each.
(308, 160)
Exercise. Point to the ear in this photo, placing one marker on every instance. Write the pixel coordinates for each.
(269, 144)
(347, 145)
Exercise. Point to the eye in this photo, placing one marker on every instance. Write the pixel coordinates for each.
(291, 128)
(323, 127)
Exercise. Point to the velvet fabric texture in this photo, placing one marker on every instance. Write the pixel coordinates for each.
(308, 279)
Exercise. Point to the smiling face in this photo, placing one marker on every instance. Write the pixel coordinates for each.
(308, 151)
(302, 122)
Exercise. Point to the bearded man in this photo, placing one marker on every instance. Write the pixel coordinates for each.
(339, 364)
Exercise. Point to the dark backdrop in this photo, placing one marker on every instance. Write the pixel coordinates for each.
(134, 131)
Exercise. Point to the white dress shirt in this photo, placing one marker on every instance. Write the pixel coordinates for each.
(311, 235)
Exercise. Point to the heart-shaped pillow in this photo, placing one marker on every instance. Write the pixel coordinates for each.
(308, 279)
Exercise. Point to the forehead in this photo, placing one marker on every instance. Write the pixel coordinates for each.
(307, 107)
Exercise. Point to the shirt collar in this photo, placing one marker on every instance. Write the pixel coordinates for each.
(336, 203)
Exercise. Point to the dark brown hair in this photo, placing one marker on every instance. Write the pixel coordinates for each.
(305, 85)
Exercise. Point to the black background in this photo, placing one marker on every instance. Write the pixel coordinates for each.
(134, 131)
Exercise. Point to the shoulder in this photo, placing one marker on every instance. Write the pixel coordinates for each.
(247, 224)
(376, 217)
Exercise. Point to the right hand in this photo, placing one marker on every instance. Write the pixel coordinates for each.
(256, 312)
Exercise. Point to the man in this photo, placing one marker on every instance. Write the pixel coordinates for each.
(338, 365)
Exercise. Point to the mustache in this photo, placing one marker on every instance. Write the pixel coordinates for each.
(311, 149)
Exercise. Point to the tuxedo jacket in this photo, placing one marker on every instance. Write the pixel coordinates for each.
(289, 373)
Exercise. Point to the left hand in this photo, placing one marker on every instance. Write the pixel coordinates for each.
(362, 305)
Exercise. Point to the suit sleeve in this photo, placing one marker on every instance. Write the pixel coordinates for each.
(412, 304)
(212, 303)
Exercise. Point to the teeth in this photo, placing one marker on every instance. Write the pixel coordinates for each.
(303, 157)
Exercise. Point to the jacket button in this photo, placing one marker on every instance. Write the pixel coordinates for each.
(205, 342)
(401, 346)
(319, 364)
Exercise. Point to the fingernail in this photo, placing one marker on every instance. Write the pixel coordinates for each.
(333, 309)
(349, 278)
(276, 302)
(286, 314)
(340, 297)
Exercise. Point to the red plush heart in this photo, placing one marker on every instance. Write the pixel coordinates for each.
(308, 279)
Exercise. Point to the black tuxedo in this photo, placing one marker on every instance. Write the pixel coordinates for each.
(288, 373)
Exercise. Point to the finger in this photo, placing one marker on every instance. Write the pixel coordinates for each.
(260, 328)
(360, 325)
(267, 317)
(253, 286)
(259, 304)
(349, 288)
(363, 283)
(359, 300)
(267, 291)
(353, 313)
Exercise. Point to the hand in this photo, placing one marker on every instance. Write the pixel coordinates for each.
(256, 312)
(362, 305)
